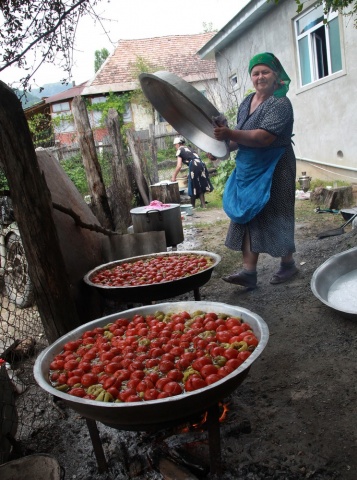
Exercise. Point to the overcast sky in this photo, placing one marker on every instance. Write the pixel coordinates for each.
(132, 19)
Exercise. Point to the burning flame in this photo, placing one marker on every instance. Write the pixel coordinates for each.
(224, 407)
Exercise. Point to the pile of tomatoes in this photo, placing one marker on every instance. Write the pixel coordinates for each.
(153, 356)
(157, 269)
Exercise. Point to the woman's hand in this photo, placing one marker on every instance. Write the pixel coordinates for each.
(222, 133)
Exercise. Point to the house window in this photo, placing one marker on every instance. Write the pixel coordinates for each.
(62, 116)
(96, 115)
(318, 45)
(233, 81)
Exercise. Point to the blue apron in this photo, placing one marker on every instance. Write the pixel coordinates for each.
(248, 188)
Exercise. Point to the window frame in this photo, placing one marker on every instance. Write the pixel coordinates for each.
(313, 41)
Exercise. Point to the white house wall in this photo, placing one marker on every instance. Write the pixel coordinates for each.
(325, 112)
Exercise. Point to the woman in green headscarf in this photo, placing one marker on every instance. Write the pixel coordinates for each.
(259, 196)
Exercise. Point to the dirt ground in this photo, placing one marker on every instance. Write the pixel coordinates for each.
(293, 418)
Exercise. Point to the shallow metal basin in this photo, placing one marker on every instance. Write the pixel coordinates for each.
(153, 414)
(154, 291)
(185, 108)
(331, 271)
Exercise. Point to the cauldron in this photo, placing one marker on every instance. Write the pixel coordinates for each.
(153, 414)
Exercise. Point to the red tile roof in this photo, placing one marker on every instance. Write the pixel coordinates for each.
(176, 54)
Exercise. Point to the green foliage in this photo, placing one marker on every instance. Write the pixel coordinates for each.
(99, 58)
(347, 8)
(40, 126)
(74, 168)
(113, 100)
(167, 153)
(224, 170)
(3, 181)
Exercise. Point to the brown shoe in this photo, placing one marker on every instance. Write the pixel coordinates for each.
(248, 280)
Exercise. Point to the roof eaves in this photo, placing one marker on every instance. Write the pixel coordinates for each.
(245, 19)
(110, 87)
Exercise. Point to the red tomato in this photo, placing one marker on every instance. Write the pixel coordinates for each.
(173, 388)
(133, 398)
(151, 394)
(57, 365)
(224, 371)
(177, 351)
(223, 336)
(152, 362)
(244, 355)
(165, 366)
(133, 383)
(194, 382)
(89, 379)
(62, 378)
(217, 352)
(230, 353)
(137, 374)
(175, 375)
(207, 370)
(237, 330)
(71, 346)
(77, 392)
(73, 381)
(161, 383)
(246, 326)
(233, 363)
(144, 385)
(122, 375)
(124, 394)
(112, 367)
(213, 378)
(163, 395)
(200, 362)
(70, 365)
(251, 339)
(98, 368)
(211, 325)
(232, 322)
(114, 392)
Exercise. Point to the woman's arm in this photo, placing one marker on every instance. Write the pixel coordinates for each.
(250, 138)
(177, 169)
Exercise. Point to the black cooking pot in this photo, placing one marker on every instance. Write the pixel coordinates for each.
(155, 291)
(143, 416)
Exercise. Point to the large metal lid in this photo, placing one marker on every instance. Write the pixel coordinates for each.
(185, 108)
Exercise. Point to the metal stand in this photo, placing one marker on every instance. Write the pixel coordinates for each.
(97, 445)
(214, 441)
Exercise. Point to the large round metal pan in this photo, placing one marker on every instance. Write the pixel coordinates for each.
(156, 291)
(153, 414)
(328, 273)
(185, 108)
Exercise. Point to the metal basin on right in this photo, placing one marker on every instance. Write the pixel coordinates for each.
(335, 283)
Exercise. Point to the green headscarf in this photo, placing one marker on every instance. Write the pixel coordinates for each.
(272, 62)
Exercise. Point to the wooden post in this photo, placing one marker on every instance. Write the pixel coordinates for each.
(91, 164)
(121, 183)
(139, 177)
(155, 177)
(32, 204)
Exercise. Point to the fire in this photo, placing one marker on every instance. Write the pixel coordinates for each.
(225, 411)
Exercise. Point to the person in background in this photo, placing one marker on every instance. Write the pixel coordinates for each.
(198, 177)
(259, 196)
